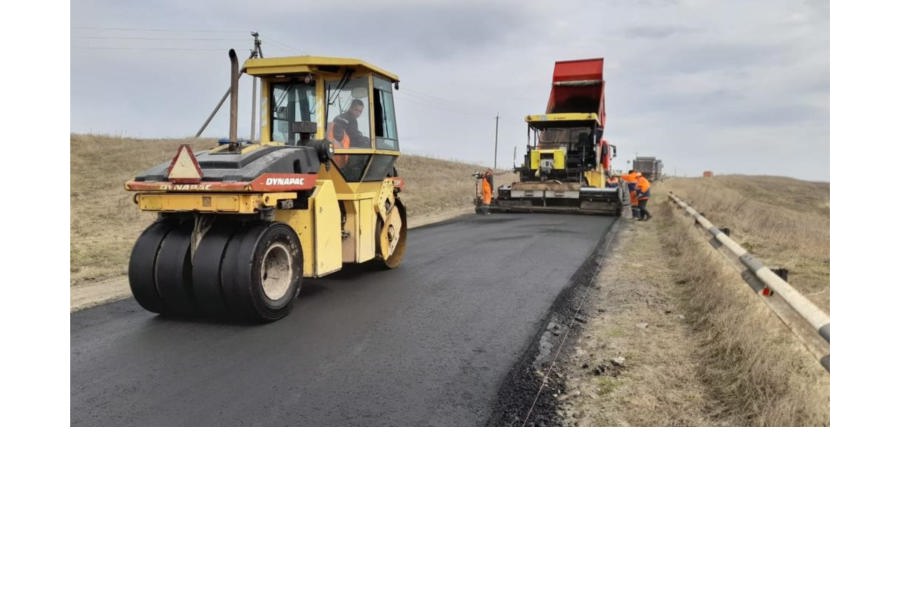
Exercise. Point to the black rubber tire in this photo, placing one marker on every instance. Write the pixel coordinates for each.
(262, 271)
(142, 265)
(207, 270)
(173, 273)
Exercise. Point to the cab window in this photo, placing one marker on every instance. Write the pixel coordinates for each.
(344, 99)
(385, 118)
(293, 114)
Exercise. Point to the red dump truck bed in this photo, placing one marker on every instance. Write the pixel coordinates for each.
(578, 87)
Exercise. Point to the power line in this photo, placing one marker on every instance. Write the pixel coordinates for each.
(282, 45)
(91, 38)
(167, 30)
(440, 104)
(156, 38)
(146, 48)
(168, 35)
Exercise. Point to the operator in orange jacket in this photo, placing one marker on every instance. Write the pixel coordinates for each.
(630, 178)
(344, 132)
(643, 196)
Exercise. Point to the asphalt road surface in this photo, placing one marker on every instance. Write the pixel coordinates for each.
(427, 344)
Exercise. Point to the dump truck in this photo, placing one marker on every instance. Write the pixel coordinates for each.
(649, 166)
(240, 225)
(567, 160)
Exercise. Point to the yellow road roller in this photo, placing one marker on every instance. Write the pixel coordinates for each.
(240, 225)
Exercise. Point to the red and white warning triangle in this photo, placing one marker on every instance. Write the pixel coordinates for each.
(184, 168)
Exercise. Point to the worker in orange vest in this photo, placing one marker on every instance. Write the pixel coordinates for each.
(643, 196)
(630, 178)
(487, 187)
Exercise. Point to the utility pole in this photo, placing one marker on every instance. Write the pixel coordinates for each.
(257, 53)
(496, 129)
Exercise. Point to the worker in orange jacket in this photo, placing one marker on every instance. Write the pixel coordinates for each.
(630, 178)
(487, 187)
(642, 186)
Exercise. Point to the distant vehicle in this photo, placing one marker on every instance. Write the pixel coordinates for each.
(650, 166)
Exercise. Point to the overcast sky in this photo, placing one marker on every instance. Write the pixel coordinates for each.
(732, 87)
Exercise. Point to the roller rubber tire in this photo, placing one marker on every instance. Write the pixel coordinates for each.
(262, 272)
(207, 271)
(142, 265)
(173, 273)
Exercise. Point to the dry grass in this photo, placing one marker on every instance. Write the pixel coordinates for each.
(695, 343)
(754, 369)
(104, 220)
(783, 221)
(435, 186)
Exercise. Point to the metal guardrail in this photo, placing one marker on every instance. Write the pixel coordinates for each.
(769, 285)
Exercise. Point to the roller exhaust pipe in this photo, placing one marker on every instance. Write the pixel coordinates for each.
(235, 75)
(233, 92)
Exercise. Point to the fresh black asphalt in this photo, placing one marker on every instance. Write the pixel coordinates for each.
(428, 344)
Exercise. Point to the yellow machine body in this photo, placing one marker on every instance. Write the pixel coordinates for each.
(340, 200)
